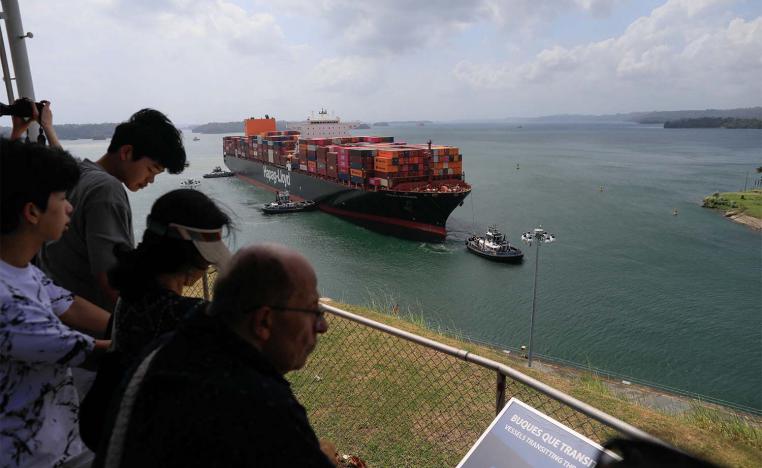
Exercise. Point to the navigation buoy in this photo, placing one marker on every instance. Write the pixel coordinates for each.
(517, 166)
(674, 212)
(600, 189)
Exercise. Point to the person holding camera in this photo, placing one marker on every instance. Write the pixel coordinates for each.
(140, 149)
(24, 112)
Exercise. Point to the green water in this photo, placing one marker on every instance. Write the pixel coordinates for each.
(627, 287)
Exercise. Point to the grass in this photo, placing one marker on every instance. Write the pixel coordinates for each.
(748, 203)
(732, 426)
(394, 403)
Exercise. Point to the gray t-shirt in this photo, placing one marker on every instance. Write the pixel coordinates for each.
(102, 218)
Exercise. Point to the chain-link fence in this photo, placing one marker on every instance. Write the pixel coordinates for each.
(395, 402)
(203, 287)
(398, 399)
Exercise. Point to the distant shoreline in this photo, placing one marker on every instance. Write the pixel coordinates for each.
(711, 122)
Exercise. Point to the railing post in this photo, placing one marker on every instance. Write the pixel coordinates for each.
(500, 392)
(205, 284)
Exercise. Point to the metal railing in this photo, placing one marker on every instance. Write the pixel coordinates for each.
(399, 399)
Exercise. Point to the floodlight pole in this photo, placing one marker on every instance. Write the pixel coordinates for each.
(534, 299)
(539, 235)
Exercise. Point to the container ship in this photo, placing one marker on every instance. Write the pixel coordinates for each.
(401, 189)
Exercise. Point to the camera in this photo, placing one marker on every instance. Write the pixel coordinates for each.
(21, 108)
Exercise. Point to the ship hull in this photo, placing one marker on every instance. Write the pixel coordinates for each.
(411, 215)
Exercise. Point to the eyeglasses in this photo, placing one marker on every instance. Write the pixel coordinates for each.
(319, 314)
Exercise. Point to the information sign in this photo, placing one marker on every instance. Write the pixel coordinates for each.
(521, 436)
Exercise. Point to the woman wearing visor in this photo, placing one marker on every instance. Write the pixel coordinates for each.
(183, 237)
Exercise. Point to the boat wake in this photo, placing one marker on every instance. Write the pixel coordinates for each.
(435, 248)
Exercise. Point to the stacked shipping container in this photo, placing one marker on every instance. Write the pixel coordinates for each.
(362, 160)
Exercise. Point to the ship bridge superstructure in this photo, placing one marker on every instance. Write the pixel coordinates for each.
(323, 126)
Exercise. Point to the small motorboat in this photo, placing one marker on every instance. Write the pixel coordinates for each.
(218, 172)
(283, 204)
(196, 139)
(494, 246)
(190, 183)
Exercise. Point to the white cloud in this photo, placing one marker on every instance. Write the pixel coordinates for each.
(685, 46)
(400, 26)
(202, 60)
(194, 60)
(352, 74)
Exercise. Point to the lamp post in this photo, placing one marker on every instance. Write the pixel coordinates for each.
(539, 236)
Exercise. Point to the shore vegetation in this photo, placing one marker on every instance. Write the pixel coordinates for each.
(714, 122)
(743, 207)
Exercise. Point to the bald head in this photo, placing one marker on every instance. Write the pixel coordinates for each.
(257, 275)
(268, 296)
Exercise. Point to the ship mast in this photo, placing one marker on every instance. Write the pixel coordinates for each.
(428, 163)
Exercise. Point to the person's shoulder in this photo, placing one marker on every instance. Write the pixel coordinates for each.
(14, 281)
(95, 179)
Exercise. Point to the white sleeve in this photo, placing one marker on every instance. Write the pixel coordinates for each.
(31, 334)
(60, 299)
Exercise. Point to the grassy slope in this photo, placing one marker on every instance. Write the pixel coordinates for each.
(367, 407)
(347, 395)
(750, 204)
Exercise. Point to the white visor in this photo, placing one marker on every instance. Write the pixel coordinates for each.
(207, 241)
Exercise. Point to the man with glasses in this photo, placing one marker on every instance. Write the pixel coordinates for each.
(214, 394)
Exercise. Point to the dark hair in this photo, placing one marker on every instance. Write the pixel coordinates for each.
(153, 135)
(256, 276)
(136, 270)
(30, 173)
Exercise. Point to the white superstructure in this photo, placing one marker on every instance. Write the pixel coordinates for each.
(322, 126)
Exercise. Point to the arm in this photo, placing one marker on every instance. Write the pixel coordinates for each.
(30, 334)
(94, 357)
(108, 224)
(86, 316)
(107, 292)
(46, 122)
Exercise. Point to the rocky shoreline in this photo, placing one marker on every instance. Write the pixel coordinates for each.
(747, 220)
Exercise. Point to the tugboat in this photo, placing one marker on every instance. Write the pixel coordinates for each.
(494, 246)
(218, 172)
(190, 183)
(283, 204)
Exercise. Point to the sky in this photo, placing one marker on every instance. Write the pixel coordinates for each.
(224, 60)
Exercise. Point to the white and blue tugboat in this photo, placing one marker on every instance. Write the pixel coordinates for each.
(217, 172)
(284, 204)
(494, 246)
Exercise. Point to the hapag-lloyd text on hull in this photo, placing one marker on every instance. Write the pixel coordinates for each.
(276, 176)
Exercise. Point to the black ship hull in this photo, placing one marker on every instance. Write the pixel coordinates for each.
(411, 215)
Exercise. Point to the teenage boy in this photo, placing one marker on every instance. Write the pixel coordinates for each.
(38, 401)
(141, 148)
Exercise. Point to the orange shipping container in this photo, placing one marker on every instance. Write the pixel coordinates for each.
(253, 127)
